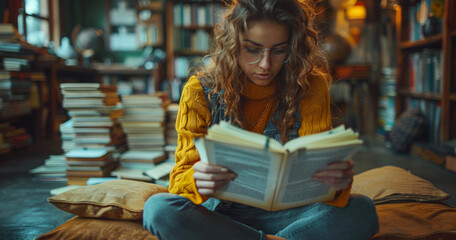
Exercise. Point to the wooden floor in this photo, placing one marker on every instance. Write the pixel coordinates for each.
(26, 214)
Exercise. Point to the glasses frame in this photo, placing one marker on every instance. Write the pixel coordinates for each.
(263, 55)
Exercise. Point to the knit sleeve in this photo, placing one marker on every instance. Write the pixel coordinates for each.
(316, 117)
(192, 122)
(314, 108)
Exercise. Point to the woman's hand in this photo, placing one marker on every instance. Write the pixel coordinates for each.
(209, 177)
(338, 175)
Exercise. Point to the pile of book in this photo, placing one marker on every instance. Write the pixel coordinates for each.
(135, 163)
(171, 133)
(171, 116)
(16, 64)
(15, 91)
(53, 169)
(143, 122)
(5, 147)
(10, 43)
(94, 111)
(6, 32)
(13, 137)
(83, 164)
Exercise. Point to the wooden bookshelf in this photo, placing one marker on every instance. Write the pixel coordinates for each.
(173, 26)
(411, 46)
(433, 41)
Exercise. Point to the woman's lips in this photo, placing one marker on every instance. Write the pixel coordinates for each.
(263, 76)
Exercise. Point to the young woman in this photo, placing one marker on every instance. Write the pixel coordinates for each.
(266, 75)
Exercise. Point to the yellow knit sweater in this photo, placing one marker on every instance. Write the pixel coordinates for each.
(194, 117)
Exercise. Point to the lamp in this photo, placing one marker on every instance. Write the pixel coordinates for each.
(356, 12)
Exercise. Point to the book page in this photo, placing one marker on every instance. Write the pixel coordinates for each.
(323, 139)
(298, 187)
(257, 171)
(231, 134)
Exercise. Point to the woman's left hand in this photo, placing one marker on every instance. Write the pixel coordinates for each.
(338, 175)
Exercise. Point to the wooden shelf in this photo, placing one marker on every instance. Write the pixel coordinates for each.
(433, 41)
(65, 68)
(194, 27)
(413, 94)
(122, 71)
(189, 53)
(452, 97)
(427, 96)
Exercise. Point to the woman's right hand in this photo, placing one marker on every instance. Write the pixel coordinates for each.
(209, 178)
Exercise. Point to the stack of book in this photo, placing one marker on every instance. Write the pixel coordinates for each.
(5, 147)
(16, 64)
(10, 43)
(171, 116)
(94, 110)
(386, 102)
(14, 137)
(83, 164)
(15, 106)
(15, 90)
(141, 160)
(143, 121)
(53, 169)
(135, 163)
(6, 32)
(171, 133)
(5, 85)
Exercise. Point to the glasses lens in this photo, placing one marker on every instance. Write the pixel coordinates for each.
(254, 55)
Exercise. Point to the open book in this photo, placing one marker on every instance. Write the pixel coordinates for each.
(270, 175)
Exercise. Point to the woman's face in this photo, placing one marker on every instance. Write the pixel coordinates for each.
(263, 50)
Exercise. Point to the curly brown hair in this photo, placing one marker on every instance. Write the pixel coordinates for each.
(305, 59)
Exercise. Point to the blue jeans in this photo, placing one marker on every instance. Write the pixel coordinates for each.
(170, 216)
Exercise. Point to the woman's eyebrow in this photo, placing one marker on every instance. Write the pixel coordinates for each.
(259, 45)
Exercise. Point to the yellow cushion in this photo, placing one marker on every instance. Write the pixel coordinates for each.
(116, 199)
(390, 183)
(79, 228)
(416, 220)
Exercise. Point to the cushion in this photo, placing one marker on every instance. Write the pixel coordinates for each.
(116, 199)
(417, 221)
(406, 128)
(390, 183)
(79, 228)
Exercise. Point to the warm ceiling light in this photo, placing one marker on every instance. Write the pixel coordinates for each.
(356, 12)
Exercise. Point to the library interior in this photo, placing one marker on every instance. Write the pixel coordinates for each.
(90, 91)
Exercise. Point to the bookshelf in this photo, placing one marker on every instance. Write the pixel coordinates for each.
(132, 25)
(425, 78)
(22, 89)
(150, 23)
(189, 24)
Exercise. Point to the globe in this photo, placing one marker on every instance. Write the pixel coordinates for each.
(88, 42)
(337, 47)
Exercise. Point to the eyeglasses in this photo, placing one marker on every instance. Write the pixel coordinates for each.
(254, 55)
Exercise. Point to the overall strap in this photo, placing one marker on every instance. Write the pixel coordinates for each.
(273, 132)
(218, 107)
